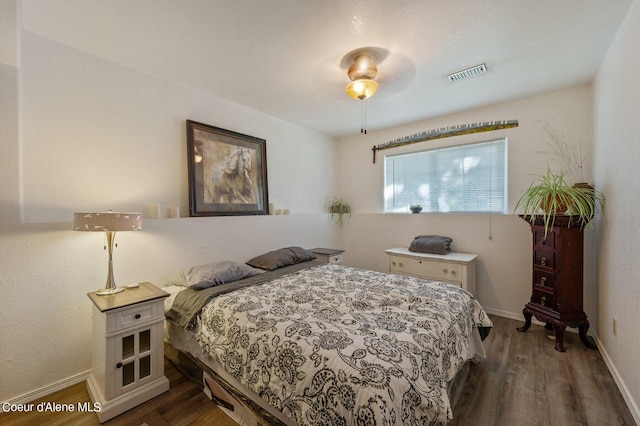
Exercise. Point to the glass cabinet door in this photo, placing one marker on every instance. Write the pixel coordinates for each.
(134, 358)
(145, 348)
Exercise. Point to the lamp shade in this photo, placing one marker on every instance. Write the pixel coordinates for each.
(107, 221)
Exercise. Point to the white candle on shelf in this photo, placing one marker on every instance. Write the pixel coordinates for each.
(155, 211)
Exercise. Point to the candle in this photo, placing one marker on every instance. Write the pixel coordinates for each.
(155, 211)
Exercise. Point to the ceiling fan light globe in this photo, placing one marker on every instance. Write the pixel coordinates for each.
(362, 88)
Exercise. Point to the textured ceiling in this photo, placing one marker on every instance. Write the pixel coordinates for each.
(285, 58)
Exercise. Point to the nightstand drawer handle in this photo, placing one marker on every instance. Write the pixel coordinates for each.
(137, 316)
(119, 365)
(543, 301)
(543, 280)
(543, 261)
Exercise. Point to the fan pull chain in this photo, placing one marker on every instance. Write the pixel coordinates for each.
(361, 122)
(363, 116)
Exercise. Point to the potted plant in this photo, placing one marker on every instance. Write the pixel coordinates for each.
(550, 195)
(338, 208)
(415, 208)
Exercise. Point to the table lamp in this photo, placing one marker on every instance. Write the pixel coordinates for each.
(109, 223)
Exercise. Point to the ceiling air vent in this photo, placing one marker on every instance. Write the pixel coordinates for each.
(469, 72)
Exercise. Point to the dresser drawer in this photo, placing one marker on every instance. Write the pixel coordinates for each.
(140, 314)
(429, 269)
(548, 241)
(544, 299)
(545, 259)
(544, 279)
(328, 255)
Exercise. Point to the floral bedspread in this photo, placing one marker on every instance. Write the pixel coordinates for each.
(335, 345)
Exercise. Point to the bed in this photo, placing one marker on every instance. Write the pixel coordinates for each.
(284, 339)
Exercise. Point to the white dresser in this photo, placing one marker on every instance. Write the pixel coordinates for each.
(453, 268)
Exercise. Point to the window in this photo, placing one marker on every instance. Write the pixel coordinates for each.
(466, 178)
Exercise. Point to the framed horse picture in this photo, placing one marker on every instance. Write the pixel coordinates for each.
(227, 172)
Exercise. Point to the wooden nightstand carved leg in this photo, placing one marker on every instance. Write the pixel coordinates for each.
(559, 328)
(583, 327)
(528, 313)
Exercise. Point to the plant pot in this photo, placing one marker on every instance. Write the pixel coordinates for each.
(586, 187)
(557, 207)
(589, 192)
(416, 210)
(581, 185)
(341, 209)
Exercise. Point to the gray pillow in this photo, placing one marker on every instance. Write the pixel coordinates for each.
(282, 257)
(226, 271)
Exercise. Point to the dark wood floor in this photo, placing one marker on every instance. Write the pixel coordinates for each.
(523, 381)
(184, 404)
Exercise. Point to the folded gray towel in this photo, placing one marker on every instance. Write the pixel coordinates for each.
(434, 244)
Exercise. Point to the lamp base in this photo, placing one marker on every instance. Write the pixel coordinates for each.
(108, 291)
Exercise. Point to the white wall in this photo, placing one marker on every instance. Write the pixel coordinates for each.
(86, 134)
(9, 152)
(617, 153)
(502, 241)
(92, 128)
(61, 109)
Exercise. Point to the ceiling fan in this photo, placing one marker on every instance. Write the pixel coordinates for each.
(394, 74)
(362, 70)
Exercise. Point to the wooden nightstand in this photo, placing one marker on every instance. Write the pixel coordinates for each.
(327, 255)
(454, 268)
(128, 352)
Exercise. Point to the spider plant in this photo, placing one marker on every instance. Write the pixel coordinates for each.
(550, 195)
(338, 208)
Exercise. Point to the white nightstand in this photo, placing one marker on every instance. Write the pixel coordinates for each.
(128, 352)
(328, 255)
(453, 268)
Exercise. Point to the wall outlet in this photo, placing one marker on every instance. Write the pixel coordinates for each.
(615, 327)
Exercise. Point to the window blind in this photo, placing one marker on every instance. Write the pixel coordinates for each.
(465, 178)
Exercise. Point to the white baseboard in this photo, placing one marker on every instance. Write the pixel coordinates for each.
(520, 317)
(633, 406)
(505, 314)
(49, 389)
(511, 315)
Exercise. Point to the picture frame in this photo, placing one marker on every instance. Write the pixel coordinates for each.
(227, 172)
